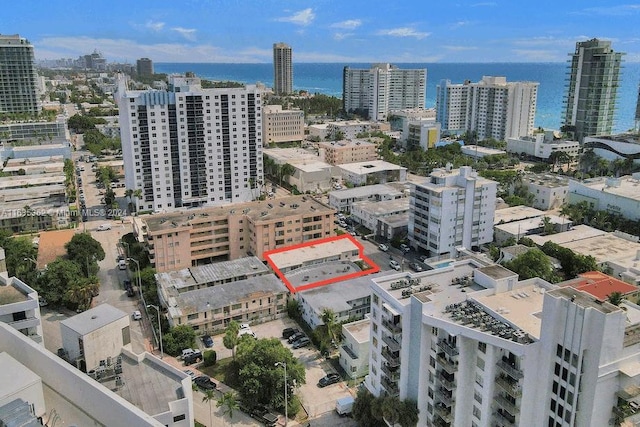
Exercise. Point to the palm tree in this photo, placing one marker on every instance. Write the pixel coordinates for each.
(614, 298)
(137, 193)
(230, 339)
(209, 396)
(128, 194)
(330, 321)
(229, 403)
(548, 227)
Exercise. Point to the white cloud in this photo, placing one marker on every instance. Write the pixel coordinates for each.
(403, 32)
(187, 33)
(619, 10)
(458, 24)
(155, 26)
(303, 17)
(350, 24)
(341, 36)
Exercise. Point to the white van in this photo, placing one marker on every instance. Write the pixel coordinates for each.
(122, 264)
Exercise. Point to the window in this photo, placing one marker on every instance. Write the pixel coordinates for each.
(482, 346)
(179, 418)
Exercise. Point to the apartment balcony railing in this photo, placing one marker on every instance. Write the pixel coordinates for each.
(504, 420)
(445, 399)
(392, 360)
(447, 384)
(394, 328)
(506, 404)
(439, 422)
(444, 413)
(392, 374)
(393, 344)
(390, 386)
(448, 348)
(510, 370)
(449, 366)
(513, 389)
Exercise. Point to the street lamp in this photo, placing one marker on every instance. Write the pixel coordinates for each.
(139, 279)
(159, 328)
(286, 398)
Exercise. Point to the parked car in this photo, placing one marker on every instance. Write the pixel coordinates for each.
(383, 247)
(415, 266)
(190, 373)
(137, 315)
(295, 337)
(247, 332)
(205, 383)
(103, 227)
(328, 380)
(423, 258)
(404, 248)
(262, 414)
(394, 264)
(194, 357)
(207, 341)
(287, 332)
(302, 342)
(244, 326)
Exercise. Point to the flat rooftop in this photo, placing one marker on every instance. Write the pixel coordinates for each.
(365, 191)
(337, 295)
(516, 213)
(627, 186)
(346, 143)
(310, 166)
(583, 299)
(524, 226)
(373, 166)
(360, 330)
(576, 233)
(263, 210)
(304, 276)
(606, 247)
(301, 254)
(383, 207)
(25, 181)
(496, 271)
(14, 376)
(93, 319)
(290, 155)
(472, 149)
(10, 295)
(547, 180)
(521, 307)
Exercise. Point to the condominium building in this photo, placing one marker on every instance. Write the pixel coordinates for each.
(144, 67)
(190, 146)
(354, 349)
(280, 125)
(282, 69)
(476, 347)
(18, 77)
(592, 90)
(492, 107)
(201, 236)
(373, 92)
(453, 208)
(542, 145)
(348, 151)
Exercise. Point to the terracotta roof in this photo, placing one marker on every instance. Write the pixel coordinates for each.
(51, 246)
(601, 285)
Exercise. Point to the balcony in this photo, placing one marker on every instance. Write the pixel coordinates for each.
(392, 360)
(449, 366)
(506, 404)
(448, 348)
(444, 413)
(392, 374)
(510, 370)
(447, 384)
(394, 328)
(391, 387)
(504, 420)
(439, 422)
(512, 388)
(444, 398)
(393, 344)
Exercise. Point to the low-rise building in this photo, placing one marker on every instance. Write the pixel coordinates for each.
(34, 166)
(342, 200)
(208, 297)
(350, 129)
(528, 227)
(478, 152)
(515, 213)
(354, 350)
(613, 147)
(373, 172)
(280, 125)
(10, 151)
(348, 151)
(549, 191)
(310, 174)
(319, 131)
(371, 213)
(614, 195)
(542, 145)
(201, 236)
(423, 133)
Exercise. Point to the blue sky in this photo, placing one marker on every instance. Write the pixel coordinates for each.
(323, 30)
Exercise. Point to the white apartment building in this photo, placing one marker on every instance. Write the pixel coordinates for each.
(615, 195)
(491, 107)
(280, 125)
(542, 145)
(453, 208)
(370, 213)
(549, 191)
(342, 200)
(476, 347)
(354, 351)
(190, 146)
(375, 91)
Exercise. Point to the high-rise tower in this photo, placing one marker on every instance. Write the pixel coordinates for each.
(18, 78)
(144, 67)
(590, 100)
(282, 69)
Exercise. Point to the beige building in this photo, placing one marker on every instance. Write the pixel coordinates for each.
(348, 151)
(208, 297)
(280, 125)
(202, 236)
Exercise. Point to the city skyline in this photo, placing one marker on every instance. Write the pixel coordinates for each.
(324, 31)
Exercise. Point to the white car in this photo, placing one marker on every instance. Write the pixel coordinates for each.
(394, 264)
(103, 227)
(245, 326)
(137, 315)
(383, 247)
(247, 331)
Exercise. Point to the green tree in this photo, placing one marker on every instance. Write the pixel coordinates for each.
(209, 396)
(209, 357)
(615, 298)
(179, 338)
(533, 263)
(391, 410)
(548, 227)
(229, 404)
(86, 252)
(408, 413)
(261, 382)
(286, 171)
(82, 292)
(230, 339)
(59, 276)
(329, 319)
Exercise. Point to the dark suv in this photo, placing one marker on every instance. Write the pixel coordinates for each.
(286, 333)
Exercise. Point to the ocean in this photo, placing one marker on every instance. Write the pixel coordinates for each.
(326, 78)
